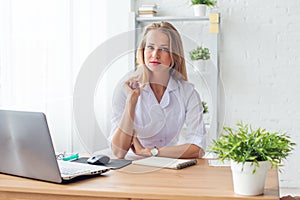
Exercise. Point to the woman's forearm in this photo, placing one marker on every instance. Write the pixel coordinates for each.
(181, 151)
(121, 143)
(122, 138)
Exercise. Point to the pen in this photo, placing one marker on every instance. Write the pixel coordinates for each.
(71, 158)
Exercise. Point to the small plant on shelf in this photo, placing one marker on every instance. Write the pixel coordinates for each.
(200, 53)
(205, 2)
(205, 107)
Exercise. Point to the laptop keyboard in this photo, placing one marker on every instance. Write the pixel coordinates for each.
(71, 168)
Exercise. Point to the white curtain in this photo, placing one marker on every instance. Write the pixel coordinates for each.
(43, 44)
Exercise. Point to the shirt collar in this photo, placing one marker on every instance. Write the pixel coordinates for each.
(172, 85)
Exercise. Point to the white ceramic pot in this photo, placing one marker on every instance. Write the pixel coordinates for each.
(200, 10)
(245, 182)
(206, 118)
(201, 65)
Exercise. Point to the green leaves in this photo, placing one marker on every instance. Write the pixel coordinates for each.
(247, 145)
(206, 2)
(205, 107)
(200, 53)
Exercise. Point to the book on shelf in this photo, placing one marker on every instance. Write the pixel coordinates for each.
(147, 9)
(151, 6)
(146, 12)
(163, 162)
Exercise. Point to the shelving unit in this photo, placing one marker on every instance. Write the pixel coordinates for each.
(196, 31)
(179, 18)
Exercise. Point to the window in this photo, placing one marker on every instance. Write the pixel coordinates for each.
(42, 47)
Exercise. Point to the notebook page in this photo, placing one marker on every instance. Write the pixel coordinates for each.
(164, 162)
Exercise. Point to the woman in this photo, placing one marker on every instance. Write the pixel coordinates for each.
(151, 108)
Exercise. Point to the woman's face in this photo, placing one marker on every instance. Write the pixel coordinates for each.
(156, 54)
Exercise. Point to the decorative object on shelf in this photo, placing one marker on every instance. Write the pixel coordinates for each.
(252, 153)
(206, 115)
(200, 53)
(214, 19)
(199, 56)
(149, 10)
(200, 6)
(205, 107)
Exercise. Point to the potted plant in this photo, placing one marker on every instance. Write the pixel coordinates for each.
(205, 107)
(206, 116)
(200, 53)
(199, 56)
(252, 153)
(200, 6)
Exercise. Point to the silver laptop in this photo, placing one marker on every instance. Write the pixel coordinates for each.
(26, 150)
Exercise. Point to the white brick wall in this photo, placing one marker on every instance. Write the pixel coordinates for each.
(260, 66)
(260, 69)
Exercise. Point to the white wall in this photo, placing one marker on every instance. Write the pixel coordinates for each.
(93, 128)
(260, 67)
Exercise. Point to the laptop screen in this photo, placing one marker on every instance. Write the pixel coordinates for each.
(26, 147)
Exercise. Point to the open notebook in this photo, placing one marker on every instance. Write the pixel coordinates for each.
(164, 162)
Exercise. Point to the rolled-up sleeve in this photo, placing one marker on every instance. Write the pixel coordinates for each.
(118, 102)
(195, 129)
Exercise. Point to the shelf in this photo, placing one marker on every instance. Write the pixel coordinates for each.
(171, 18)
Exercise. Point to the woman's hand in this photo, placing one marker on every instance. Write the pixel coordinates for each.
(139, 149)
(132, 88)
(133, 83)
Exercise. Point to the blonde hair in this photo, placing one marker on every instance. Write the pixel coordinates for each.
(176, 50)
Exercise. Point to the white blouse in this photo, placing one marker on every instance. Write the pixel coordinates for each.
(160, 124)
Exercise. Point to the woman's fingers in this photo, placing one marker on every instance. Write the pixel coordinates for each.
(136, 143)
(133, 83)
(139, 149)
(132, 94)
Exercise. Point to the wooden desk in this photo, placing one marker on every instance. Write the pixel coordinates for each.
(139, 182)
